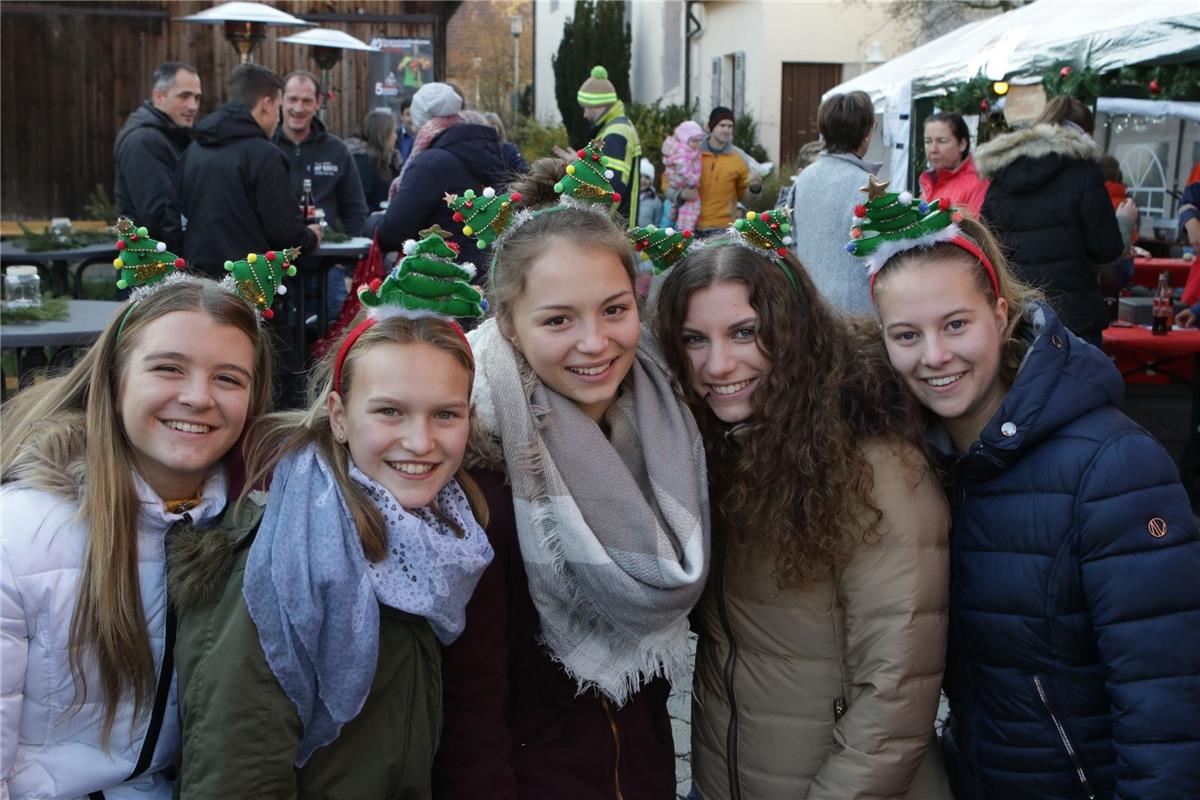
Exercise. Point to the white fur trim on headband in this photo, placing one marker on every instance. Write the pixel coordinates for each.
(173, 277)
(526, 214)
(886, 250)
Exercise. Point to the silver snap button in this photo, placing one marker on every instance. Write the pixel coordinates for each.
(1057, 341)
(1008, 429)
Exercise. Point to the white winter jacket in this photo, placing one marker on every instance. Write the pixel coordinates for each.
(46, 751)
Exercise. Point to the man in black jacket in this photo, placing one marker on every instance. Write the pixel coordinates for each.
(234, 185)
(148, 148)
(314, 153)
(237, 201)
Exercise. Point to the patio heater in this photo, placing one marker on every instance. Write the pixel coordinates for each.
(327, 46)
(245, 24)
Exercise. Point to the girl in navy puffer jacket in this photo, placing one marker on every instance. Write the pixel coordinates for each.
(1074, 659)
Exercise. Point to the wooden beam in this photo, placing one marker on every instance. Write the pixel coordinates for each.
(60, 10)
(404, 19)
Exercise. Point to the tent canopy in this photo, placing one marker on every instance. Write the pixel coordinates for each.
(1020, 45)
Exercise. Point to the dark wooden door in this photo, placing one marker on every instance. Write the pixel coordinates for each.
(803, 85)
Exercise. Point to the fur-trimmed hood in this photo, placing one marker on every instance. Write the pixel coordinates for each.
(199, 560)
(1044, 149)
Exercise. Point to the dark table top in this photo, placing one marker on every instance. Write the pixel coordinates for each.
(84, 324)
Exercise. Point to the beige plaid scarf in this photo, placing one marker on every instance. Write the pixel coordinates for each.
(614, 530)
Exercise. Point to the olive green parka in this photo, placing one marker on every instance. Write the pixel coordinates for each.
(241, 733)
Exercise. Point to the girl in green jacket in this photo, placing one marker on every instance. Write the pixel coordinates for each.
(308, 649)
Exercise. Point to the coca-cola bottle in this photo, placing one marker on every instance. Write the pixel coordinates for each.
(1163, 307)
(308, 203)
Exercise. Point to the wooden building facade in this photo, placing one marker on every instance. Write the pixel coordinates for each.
(72, 72)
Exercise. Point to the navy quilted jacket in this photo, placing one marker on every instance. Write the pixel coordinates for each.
(1074, 661)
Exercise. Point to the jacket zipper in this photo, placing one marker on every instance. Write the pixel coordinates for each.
(612, 723)
(839, 704)
(731, 734)
(1062, 734)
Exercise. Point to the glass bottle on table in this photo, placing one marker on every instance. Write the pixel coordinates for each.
(308, 203)
(1163, 306)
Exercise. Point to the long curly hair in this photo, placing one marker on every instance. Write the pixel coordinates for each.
(794, 481)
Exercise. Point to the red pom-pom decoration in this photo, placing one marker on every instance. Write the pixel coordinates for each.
(984, 105)
(133, 237)
(180, 263)
(616, 197)
(595, 156)
(639, 246)
(860, 211)
(688, 234)
(270, 255)
(766, 216)
(452, 246)
(516, 197)
(469, 204)
(1064, 72)
(375, 284)
(120, 245)
(782, 252)
(856, 233)
(956, 217)
(1154, 87)
(774, 226)
(268, 314)
(458, 217)
(581, 154)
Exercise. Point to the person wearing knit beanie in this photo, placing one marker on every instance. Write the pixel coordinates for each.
(597, 97)
(434, 100)
(718, 114)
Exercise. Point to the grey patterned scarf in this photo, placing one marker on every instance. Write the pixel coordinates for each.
(614, 530)
(315, 598)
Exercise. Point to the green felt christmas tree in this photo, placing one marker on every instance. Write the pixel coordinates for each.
(768, 231)
(427, 279)
(893, 221)
(662, 247)
(259, 277)
(588, 177)
(484, 216)
(142, 261)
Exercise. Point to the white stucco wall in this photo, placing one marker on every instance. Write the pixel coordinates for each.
(549, 17)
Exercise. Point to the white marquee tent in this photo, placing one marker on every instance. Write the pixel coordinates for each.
(1020, 45)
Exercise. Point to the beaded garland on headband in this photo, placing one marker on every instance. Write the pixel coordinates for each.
(259, 278)
(427, 282)
(143, 264)
(662, 247)
(893, 222)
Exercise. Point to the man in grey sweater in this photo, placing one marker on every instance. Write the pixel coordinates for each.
(825, 196)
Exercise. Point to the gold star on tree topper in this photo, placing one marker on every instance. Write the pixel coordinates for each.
(874, 188)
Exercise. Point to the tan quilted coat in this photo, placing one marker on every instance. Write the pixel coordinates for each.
(829, 693)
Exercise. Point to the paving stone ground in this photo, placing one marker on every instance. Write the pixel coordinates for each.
(679, 705)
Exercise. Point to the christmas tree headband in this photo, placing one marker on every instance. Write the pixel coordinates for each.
(890, 223)
(662, 247)
(143, 265)
(427, 282)
(258, 277)
(490, 218)
(767, 234)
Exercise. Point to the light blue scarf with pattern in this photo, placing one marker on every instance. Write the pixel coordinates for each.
(315, 597)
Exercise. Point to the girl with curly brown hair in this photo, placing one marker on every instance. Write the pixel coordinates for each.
(823, 625)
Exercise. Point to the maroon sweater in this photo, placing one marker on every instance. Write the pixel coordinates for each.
(514, 728)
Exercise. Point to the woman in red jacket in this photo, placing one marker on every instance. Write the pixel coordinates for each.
(951, 176)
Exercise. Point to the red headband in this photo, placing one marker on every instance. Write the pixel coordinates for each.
(362, 328)
(964, 243)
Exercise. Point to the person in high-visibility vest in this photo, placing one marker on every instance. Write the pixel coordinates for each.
(598, 99)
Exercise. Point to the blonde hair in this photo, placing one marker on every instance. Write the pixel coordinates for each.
(1016, 294)
(65, 436)
(288, 431)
